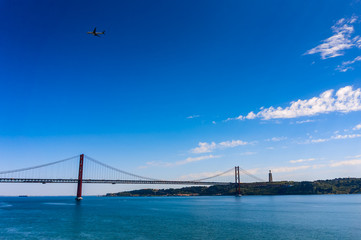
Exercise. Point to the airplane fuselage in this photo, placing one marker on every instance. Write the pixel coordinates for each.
(95, 33)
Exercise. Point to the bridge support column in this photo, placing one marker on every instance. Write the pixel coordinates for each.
(237, 181)
(80, 178)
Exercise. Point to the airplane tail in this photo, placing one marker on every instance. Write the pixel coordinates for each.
(103, 32)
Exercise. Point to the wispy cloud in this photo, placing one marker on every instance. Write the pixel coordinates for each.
(303, 160)
(357, 127)
(346, 163)
(253, 171)
(185, 161)
(194, 176)
(317, 166)
(289, 169)
(193, 116)
(335, 137)
(304, 121)
(231, 144)
(340, 41)
(344, 100)
(196, 159)
(332, 164)
(347, 64)
(155, 164)
(204, 147)
(248, 153)
(357, 156)
(276, 139)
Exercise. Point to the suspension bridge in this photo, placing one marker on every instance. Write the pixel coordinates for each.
(84, 169)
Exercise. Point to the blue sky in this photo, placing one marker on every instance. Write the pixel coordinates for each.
(182, 87)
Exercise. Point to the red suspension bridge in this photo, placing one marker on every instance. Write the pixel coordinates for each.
(84, 169)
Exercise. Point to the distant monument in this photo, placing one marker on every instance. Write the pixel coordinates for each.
(270, 176)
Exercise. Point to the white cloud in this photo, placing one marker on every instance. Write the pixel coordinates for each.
(344, 100)
(357, 156)
(250, 115)
(346, 65)
(253, 171)
(193, 116)
(357, 127)
(186, 161)
(276, 139)
(302, 160)
(347, 163)
(156, 164)
(288, 169)
(319, 140)
(233, 143)
(196, 159)
(195, 176)
(335, 137)
(346, 136)
(305, 121)
(341, 40)
(204, 147)
(270, 148)
(248, 153)
(316, 166)
(319, 166)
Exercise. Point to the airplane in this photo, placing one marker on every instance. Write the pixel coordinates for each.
(95, 33)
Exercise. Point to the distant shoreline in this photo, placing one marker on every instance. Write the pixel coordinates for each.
(319, 187)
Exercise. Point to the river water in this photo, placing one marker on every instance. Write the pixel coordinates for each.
(247, 217)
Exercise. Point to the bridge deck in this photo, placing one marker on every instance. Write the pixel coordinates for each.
(35, 180)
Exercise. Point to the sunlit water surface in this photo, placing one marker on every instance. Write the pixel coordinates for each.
(248, 217)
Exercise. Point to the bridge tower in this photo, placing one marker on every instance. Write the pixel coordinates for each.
(237, 181)
(80, 178)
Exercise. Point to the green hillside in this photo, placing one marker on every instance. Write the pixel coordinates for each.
(334, 186)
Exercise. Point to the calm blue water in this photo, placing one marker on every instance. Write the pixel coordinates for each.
(248, 217)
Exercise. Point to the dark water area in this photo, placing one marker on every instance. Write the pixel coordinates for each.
(247, 217)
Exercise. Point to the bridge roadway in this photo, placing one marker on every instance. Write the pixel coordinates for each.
(43, 181)
(106, 181)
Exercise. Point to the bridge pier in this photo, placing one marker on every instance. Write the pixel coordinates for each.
(237, 181)
(80, 178)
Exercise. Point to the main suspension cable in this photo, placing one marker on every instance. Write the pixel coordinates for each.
(38, 166)
(121, 171)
